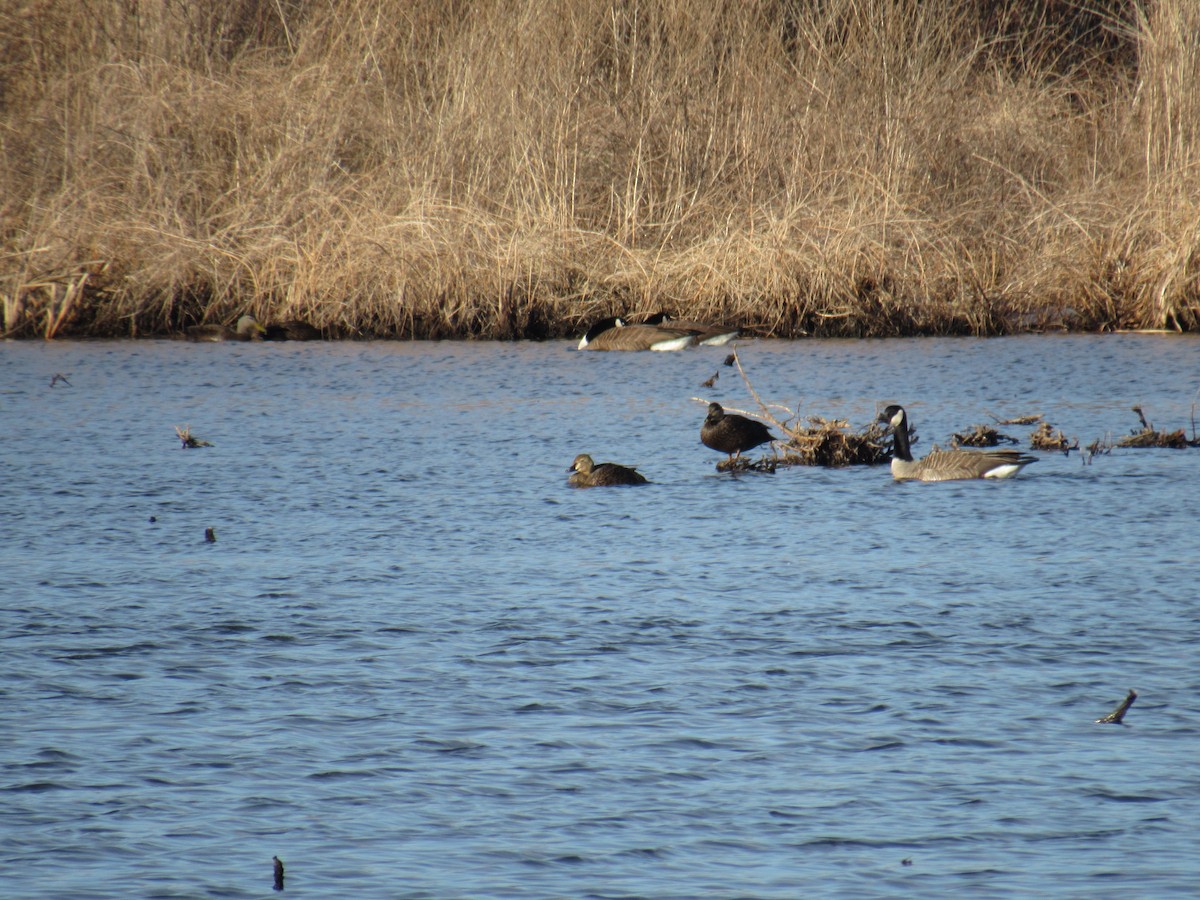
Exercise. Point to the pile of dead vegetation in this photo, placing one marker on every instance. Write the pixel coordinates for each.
(1149, 436)
(831, 442)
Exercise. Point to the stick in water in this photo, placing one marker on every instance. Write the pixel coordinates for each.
(1115, 717)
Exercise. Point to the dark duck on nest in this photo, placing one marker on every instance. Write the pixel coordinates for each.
(586, 473)
(954, 464)
(731, 433)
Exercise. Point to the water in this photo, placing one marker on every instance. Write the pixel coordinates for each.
(416, 664)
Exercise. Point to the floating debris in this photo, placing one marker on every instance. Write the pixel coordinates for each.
(981, 436)
(1097, 447)
(829, 442)
(277, 866)
(740, 464)
(1115, 717)
(1017, 420)
(189, 440)
(1045, 438)
(210, 536)
(1149, 437)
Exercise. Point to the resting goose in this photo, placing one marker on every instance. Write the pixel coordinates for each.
(731, 433)
(708, 335)
(613, 334)
(947, 465)
(586, 473)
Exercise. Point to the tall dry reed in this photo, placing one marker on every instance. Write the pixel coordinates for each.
(507, 168)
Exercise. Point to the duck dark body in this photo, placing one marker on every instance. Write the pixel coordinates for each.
(586, 473)
(731, 433)
(292, 330)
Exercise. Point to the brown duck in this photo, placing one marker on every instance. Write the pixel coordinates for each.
(248, 328)
(586, 473)
(731, 433)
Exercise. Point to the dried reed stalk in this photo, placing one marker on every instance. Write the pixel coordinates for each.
(425, 169)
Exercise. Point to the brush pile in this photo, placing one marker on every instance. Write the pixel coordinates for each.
(830, 442)
(189, 440)
(981, 436)
(1044, 437)
(1147, 436)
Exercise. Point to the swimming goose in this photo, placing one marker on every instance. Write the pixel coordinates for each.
(947, 465)
(731, 433)
(708, 335)
(248, 329)
(613, 334)
(586, 473)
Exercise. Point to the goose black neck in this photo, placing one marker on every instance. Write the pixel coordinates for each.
(900, 446)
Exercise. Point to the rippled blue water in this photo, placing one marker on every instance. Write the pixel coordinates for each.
(416, 664)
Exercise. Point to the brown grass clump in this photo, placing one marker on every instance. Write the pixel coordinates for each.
(981, 436)
(1148, 436)
(1017, 420)
(829, 442)
(1044, 437)
(515, 169)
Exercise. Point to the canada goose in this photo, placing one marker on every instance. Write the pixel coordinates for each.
(586, 473)
(613, 334)
(731, 433)
(248, 329)
(708, 335)
(291, 330)
(947, 465)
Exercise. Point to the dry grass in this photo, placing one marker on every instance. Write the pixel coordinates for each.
(1044, 437)
(980, 436)
(505, 168)
(1149, 436)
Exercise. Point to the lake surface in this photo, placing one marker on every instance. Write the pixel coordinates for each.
(415, 663)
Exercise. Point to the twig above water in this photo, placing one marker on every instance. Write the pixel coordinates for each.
(1115, 717)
